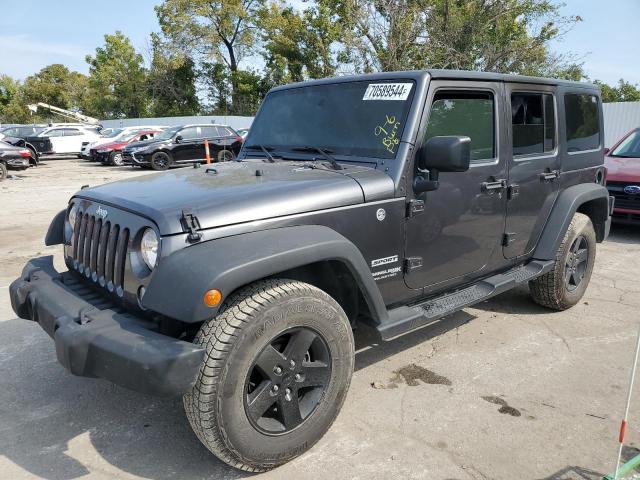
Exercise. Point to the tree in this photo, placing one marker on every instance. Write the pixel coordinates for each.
(117, 80)
(56, 85)
(624, 92)
(510, 36)
(297, 46)
(217, 31)
(171, 82)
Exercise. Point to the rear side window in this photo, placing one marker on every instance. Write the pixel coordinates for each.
(469, 114)
(70, 132)
(533, 123)
(210, 132)
(582, 122)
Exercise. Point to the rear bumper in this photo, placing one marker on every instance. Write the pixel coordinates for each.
(108, 343)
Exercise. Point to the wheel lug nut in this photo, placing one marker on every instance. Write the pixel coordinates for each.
(278, 370)
(275, 388)
(287, 395)
(298, 377)
(292, 363)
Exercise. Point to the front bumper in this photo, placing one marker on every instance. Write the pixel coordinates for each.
(95, 339)
(137, 159)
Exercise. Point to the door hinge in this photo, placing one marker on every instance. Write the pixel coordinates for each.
(513, 191)
(412, 263)
(508, 239)
(190, 225)
(415, 207)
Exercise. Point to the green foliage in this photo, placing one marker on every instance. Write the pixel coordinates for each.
(623, 92)
(117, 80)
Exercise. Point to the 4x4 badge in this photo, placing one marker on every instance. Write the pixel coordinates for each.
(101, 212)
(381, 214)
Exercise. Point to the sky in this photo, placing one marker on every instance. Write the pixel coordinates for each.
(36, 33)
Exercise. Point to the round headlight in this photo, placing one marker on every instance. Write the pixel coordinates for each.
(149, 247)
(73, 214)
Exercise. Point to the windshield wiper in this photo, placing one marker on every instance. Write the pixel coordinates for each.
(325, 153)
(266, 151)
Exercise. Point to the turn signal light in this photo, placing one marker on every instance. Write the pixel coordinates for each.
(212, 298)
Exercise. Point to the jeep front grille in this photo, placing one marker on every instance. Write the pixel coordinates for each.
(99, 251)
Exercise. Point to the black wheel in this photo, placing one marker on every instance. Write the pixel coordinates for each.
(565, 284)
(226, 156)
(160, 161)
(116, 158)
(3, 171)
(278, 364)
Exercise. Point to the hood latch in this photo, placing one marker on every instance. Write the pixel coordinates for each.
(190, 225)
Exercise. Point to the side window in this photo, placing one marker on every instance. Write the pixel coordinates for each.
(143, 137)
(57, 132)
(190, 133)
(465, 113)
(582, 122)
(533, 123)
(71, 132)
(210, 132)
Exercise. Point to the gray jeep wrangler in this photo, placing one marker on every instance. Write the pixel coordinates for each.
(393, 199)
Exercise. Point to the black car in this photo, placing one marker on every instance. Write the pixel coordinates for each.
(13, 158)
(392, 199)
(26, 136)
(184, 144)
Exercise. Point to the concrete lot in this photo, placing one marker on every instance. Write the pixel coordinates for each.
(506, 390)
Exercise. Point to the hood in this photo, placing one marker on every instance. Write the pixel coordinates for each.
(238, 192)
(146, 143)
(620, 169)
(112, 146)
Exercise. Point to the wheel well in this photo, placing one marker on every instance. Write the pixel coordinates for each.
(334, 278)
(598, 211)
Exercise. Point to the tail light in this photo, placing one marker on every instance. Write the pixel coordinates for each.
(25, 153)
(239, 139)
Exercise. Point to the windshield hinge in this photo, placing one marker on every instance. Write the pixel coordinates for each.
(190, 225)
(415, 207)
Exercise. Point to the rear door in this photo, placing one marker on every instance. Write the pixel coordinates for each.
(534, 165)
(73, 138)
(57, 140)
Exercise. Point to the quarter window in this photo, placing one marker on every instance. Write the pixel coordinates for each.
(533, 123)
(469, 114)
(582, 122)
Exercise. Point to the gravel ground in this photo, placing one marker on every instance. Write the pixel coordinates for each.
(506, 390)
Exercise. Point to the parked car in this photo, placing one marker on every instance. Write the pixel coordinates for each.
(243, 132)
(109, 137)
(238, 286)
(68, 140)
(184, 144)
(21, 131)
(12, 158)
(623, 176)
(111, 153)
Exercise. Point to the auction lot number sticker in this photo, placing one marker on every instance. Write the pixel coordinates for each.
(387, 91)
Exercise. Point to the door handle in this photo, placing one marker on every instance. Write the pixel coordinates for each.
(549, 176)
(491, 186)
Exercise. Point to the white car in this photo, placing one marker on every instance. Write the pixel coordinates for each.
(68, 140)
(113, 136)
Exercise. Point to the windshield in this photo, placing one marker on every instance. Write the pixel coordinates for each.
(113, 133)
(630, 146)
(167, 134)
(354, 119)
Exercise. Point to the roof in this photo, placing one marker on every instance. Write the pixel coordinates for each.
(446, 74)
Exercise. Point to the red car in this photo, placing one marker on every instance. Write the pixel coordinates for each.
(111, 153)
(623, 176)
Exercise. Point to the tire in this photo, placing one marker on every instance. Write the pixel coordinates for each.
(3, 171)
(33, 159)
(160, 161)
(116, 159)
(565, 284)
(226, 156)
(286, 312)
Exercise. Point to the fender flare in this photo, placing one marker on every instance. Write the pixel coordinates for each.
(570, 201)
(55, 232)
(181, 279)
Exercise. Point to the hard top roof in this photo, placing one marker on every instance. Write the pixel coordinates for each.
(447, 74)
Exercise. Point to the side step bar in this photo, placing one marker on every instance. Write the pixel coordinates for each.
(405, 319)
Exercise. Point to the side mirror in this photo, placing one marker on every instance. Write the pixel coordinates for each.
(441, 154)
(178, 138)
(606, 151)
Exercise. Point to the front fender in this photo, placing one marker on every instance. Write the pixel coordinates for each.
(181, 279)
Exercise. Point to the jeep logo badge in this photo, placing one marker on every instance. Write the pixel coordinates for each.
(632, 189)
(101, 212)
(381, 214)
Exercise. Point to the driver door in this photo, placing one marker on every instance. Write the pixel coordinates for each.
(461, 224)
